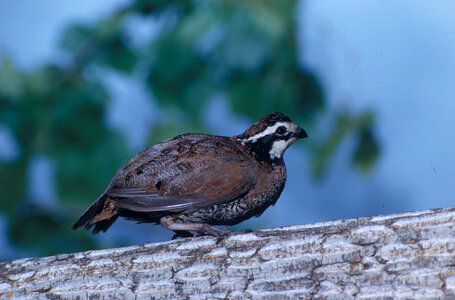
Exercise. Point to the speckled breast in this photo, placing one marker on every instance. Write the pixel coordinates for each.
(266, 192)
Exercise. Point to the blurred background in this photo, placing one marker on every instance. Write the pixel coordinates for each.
(86, 84)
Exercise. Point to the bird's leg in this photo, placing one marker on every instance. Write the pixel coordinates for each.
(201, 228)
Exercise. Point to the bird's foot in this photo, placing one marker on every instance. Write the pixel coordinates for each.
(182, 229)
(213, 231)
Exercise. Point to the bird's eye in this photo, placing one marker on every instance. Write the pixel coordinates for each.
(281, 130)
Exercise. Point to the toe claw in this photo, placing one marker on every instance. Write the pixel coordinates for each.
(217, 232)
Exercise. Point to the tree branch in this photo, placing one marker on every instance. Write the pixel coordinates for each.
(408, 255)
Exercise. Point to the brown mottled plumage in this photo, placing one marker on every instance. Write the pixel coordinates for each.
(195, 180)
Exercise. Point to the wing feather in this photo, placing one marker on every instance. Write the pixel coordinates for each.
(143, 201)
(190, 172)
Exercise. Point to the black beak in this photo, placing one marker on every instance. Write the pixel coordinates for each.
(299, 133)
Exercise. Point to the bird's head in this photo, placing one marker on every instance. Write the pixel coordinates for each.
(269, 137)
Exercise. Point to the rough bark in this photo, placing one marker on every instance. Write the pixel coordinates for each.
(409, 255)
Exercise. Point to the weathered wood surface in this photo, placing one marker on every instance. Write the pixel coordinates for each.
(407, 256)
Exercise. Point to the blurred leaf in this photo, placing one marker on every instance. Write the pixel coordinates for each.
(170, 129)
(189, 29)
(76, 116)
(104, 44)
(271, 17)
(47, 233)
(243, 48)
(75, 37)
(367, 150)
(344, 124)
(11, 84)
(310, 98)
(178, 78)
(83, 174)
(147, 7)
(87, 153)
(13, 184)
(119, 56)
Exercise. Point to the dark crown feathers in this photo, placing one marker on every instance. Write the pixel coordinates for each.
(262, 124)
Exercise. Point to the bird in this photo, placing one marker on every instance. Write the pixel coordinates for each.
(195, 181)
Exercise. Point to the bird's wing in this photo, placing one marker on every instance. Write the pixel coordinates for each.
(192, 172)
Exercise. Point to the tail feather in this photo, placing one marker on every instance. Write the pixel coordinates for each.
(87, 217)
(103, 225)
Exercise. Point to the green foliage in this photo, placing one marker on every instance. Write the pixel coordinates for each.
(46, 232)
(245, 50)
(249, 53)
(367, 149)
(13, 184)
(58, 114)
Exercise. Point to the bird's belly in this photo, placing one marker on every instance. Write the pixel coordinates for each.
(235, 211)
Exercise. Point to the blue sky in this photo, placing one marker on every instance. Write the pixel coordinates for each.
(399, 59)
(396, 58)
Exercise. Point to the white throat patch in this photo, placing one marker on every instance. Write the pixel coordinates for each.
(278, 147)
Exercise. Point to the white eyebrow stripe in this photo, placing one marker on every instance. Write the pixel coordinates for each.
(267, 131)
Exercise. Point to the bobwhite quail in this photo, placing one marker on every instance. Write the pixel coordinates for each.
(196, 180)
